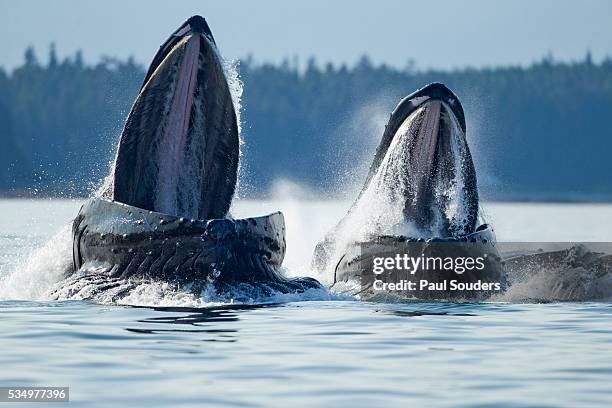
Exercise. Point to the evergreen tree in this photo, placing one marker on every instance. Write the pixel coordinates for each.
(537, 131)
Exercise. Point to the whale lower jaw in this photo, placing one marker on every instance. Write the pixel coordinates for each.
(353, 274)
(116, 246)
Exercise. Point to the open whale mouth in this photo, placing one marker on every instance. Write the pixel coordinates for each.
(178, 152)
(423, 165)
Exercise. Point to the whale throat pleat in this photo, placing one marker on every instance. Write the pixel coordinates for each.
(172, 151)
(179, 149)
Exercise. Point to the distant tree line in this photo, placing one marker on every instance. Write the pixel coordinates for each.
(536, 132)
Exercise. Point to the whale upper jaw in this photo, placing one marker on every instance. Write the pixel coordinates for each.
(179, 149)
(193, 25)
(423, 160)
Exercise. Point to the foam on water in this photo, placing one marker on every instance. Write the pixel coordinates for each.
(156, 293)
(162, 294)
(40, 276)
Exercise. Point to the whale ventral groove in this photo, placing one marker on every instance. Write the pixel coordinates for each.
(179, 149)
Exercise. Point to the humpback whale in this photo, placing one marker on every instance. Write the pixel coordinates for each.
(163, 213)
(420, 196)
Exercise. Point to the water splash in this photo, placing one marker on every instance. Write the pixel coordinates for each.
(160, 294)
(236, 87)
(566, 273)
(452, 199)
(141, 292)
(37, 271)
(349, 166)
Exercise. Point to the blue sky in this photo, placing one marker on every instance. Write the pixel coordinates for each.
(440, 34)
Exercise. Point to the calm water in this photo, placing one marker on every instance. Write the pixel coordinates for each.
(313, 350)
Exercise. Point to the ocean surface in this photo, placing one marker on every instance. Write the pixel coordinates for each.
(315, 349)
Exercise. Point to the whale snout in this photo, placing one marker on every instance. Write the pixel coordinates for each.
(439, 169)
(197, 24)
(194, 25)
(422, 179)
(179, 149)
(427, 143)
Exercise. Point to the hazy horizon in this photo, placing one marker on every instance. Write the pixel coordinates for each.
(470, 34)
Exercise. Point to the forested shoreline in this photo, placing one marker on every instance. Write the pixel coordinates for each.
(537, 132)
